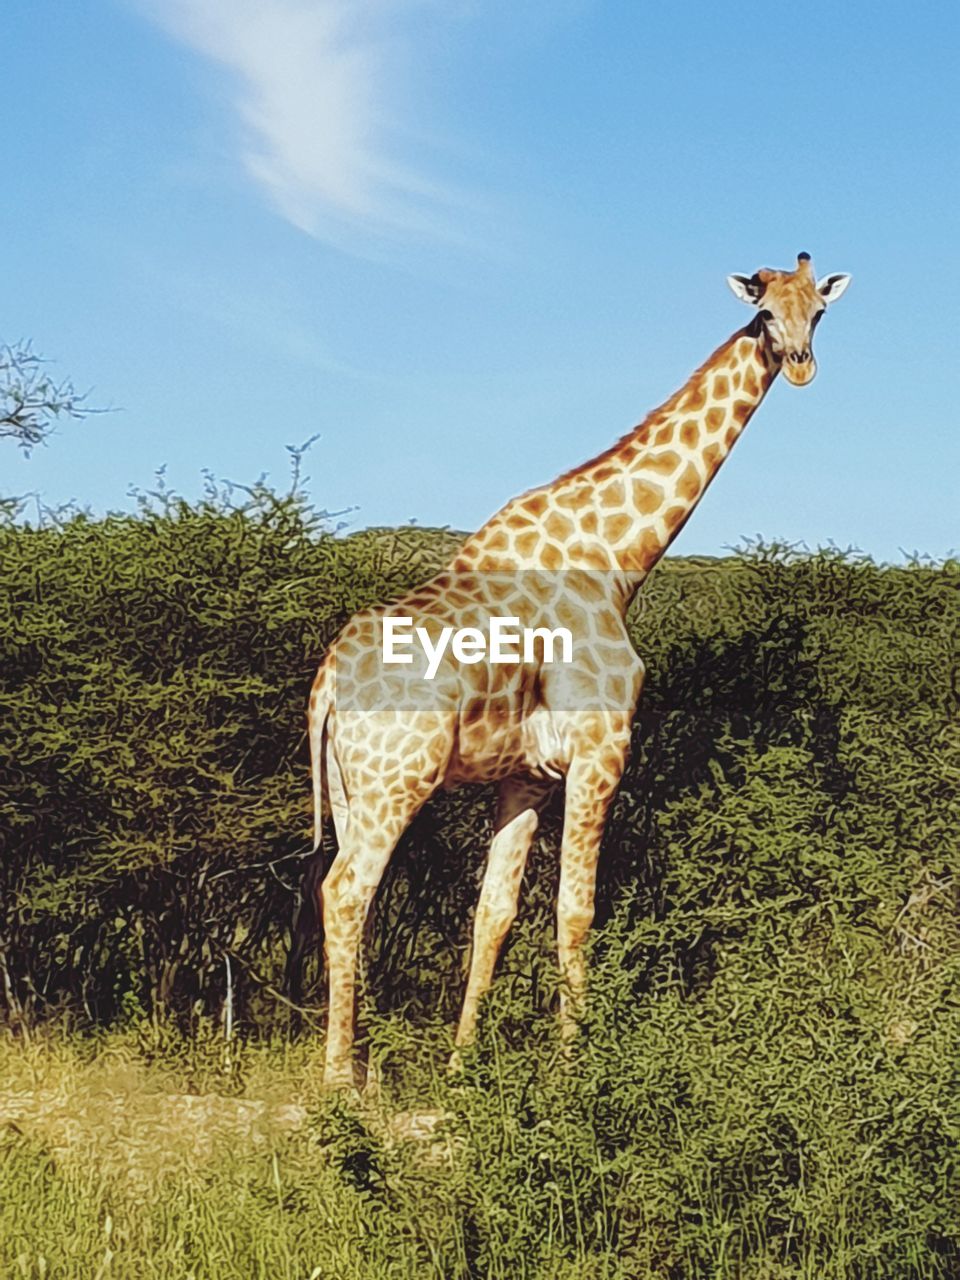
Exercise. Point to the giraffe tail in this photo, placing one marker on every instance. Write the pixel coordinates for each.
(317, 718)
(307, 922)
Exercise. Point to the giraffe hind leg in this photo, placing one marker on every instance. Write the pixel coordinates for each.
(371, 834)
(519, 806)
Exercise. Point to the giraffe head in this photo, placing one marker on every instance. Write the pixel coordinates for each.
(791, 304)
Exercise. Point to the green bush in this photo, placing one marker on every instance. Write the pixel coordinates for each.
(797, 744)
(153, 677)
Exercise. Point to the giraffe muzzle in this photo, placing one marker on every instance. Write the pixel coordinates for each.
(799, 367)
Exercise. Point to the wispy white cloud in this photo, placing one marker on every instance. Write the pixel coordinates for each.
(311, 81)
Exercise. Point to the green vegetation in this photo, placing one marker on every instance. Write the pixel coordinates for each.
(767, 1082)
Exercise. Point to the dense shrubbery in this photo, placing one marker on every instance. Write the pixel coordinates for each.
(153, 674)
(768, 1084)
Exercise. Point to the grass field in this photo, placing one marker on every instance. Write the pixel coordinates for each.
(799, 1119)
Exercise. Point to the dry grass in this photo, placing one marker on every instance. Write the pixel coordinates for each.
(131, 1119)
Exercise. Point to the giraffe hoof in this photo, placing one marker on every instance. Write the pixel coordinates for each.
(340, 1081)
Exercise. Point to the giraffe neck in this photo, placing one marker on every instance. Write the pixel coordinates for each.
(620, 511)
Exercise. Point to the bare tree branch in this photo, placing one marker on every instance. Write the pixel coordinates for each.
(31, 401)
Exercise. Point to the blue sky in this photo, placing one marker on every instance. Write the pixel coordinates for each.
(471, 242)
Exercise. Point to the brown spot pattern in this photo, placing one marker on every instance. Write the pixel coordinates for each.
(696, 397)
(572, 498)
(558, 526)
(615, 527)
(609, 626)
(646, 551)
(647, 497)
(688, 486)
(474, 711)
(591, 557)
(613, 495)
(664, 463)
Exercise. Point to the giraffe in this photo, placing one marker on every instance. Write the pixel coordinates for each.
(572, 553)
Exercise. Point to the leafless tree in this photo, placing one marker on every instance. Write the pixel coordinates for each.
(31, 401)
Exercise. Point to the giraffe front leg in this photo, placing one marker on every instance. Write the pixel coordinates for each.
(591, 785)
(519, 805)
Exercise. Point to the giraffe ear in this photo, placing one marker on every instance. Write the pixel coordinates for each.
(831, 287)
(747, 288)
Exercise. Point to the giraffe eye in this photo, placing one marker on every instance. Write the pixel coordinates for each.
(817, 318)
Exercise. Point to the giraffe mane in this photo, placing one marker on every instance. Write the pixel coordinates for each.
(640, 434)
